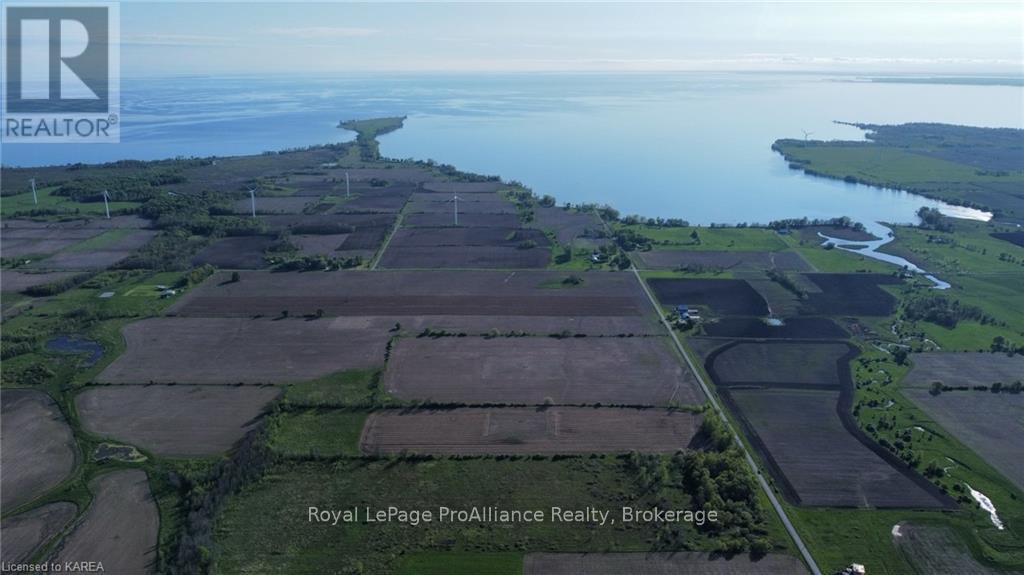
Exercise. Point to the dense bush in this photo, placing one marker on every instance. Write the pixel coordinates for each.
(631, 240)
(171, 250)
(941, 311)
(204, 497)
(138, 187)
(932, 219)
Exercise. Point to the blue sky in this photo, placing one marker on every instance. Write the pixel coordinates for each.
(162, 38)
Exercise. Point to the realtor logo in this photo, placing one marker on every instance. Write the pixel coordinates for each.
(61, 73)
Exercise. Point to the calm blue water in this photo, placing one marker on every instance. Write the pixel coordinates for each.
(695, 146)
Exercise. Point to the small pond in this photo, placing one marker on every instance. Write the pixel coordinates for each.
(77, 345)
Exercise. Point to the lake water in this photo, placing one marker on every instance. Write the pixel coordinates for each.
(693, 146)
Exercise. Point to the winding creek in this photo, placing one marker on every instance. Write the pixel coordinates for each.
(870, 248)
(987, 505)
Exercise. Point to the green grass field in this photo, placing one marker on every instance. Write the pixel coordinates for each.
(23, 203)
(968, 250)
(266, 527)
(135, 294)
(886, 414)
(984, 272)
(353, 388)
(371, 128)
(901, 168)
(711, 239)
(839, 537)
(461, 564)
(102, 241)
(883, 165)
(317, 433)
(838, 261)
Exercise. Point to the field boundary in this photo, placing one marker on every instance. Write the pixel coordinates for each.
(399, 218)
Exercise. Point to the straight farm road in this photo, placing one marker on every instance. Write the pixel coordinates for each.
(387, 241)
(804, 552)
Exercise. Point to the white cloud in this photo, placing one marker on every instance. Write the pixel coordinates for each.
(323, 32)
(186, 40)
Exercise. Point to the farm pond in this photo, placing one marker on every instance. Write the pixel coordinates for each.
(76, 345)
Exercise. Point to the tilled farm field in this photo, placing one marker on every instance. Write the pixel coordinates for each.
(568, 225)
(723, 296)
(817, 460)
(37, 449)
(25, 533)
(851, 294)
(792, 399)
(33, 240)
(319, 244)
(463, 187)
(536, 370)
(959, 369)
(119, 528)
(460, 236)
(436, 203)
(244, 252)
(272, 205)
(385, 201)
(397, 293)
(389, 174)
(174, 421)
(792, 328)
(1015, 238)
(465, 257)
(236, 350)
(528, 431)
(15, 281)
(991, 424)
(814, 364)
(440, 219)
(105, 248)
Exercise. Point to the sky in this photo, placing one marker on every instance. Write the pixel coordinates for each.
(171, 38)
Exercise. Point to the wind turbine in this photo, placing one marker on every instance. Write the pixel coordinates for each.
(455, 199)
(106, 205)
(807, 134)
(35, 199)
(252, 198)
(346, 185)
